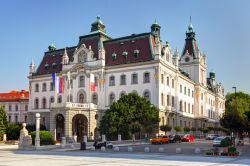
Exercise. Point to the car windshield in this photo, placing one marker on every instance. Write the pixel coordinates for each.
(220, 138)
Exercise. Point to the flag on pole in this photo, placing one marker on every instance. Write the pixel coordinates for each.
(92, 82)
(57, 86)
(54, 78)
(61, 84)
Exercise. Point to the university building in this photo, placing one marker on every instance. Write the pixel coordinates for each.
(176, 83)
(16, 105)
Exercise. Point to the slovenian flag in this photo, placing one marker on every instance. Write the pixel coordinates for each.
(92, 82)
(54, 79)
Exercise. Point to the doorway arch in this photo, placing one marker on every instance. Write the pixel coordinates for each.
(80, 126)
(60, 123)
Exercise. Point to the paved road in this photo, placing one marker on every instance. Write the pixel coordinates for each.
(79, 158)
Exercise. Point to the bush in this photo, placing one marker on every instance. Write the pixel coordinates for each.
(177, 128)
(45, 137)
(193, 129)
(186, 129)
(165, 128)
(231, 149)
(13, 131)
(225, 142)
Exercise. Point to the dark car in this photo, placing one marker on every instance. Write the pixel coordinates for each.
(98, 145)
(174, 138)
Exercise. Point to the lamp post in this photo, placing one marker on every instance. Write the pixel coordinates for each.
(235, 109)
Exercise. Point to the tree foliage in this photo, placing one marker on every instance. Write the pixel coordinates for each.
(178, 128)
(165, 128)
(129, 114)
(3, 122)
(235, 117)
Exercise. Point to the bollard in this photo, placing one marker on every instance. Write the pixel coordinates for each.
(85, 139)
(161, 150)
(197, 150)
(130, 149)
(4, 137)
(103, 149)
(92, 148)
(178, 150)
(116, 149)
(103, 138)
(133, 137)
(37, 138)
(119, 137)
(147, 149)
(75, 138)
(63, 142)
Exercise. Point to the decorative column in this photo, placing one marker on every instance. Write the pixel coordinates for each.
(37, 139)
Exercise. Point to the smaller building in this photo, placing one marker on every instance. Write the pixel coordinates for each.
(16, 104)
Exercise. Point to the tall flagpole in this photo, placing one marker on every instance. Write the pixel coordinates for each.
(89, 101)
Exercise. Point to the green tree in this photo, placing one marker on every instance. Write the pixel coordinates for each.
(128, 110)
(178, 128)
(235, 117)
(186, 129)
(165, 128)
(3, 122)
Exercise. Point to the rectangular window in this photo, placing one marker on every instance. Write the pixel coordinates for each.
(146, 78)
(167, 81)
(71, 84)
(168, 100)
(188, 107)
(134, 79)
(96, 81)
(173, 104)
(123, 80)
(172, 83)
(9, 107)
(9, 119)
(25, 119)
(112, 81)
(16, 107)
(192, 109)
(192, 94)
(180, 105)
(26, 107)
(81, 81)
(52, 86)
(44, 87)
(162, 78)
(180, 88)
(16, 119)
(37, 88)
(188, 92)
(185, 90)
(185, 107)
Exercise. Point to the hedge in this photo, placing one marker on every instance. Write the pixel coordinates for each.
(45, 137)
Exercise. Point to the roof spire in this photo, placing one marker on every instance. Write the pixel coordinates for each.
(190, 27)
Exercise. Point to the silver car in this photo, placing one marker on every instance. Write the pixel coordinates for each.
(217, 141)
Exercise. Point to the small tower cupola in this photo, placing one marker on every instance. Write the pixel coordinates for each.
(52, 47)
(98, 25)
(32, 67)
(155, 29)
(65, 58)
(190, 34)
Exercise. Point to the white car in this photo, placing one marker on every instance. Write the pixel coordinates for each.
(211, 136)
(217, 141)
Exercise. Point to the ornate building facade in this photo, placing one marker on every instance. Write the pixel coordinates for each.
(141, 63)
(15, 104)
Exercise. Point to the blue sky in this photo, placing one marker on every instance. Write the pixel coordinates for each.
(222, 31)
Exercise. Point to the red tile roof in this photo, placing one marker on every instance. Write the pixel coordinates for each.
(14, 96)
(140, 42)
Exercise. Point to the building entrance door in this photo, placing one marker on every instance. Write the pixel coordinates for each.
(59, 126)
(79, 126)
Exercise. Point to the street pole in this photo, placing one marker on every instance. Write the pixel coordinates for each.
(235, 110)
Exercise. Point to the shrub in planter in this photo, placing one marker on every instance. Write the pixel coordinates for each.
(45, 137)
(13, 131)
(225, 143)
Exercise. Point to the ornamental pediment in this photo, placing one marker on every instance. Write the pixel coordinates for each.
(83, 54)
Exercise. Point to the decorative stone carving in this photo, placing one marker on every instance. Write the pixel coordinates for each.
(25, 140)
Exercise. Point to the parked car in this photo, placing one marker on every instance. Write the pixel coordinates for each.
(211, 136)
(174, 138)
(187, 138)
(98, 145)
(217, 141)
(160, 140)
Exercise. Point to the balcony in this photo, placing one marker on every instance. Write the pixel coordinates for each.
(85, 106)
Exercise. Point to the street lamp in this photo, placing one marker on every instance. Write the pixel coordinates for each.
(235, 109)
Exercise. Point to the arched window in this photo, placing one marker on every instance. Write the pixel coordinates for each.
(59, 100)
(112, 81)
(36, 103)
(162, 99)
(146, 95)
(167, 81)
(180, 105)
(111, 98)
(81, 81)
(37, 88)
(44, 87)
(44, 103)
(81, 98)
(185, 107)
(95, 99)
(51, 100)
(122, 94)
